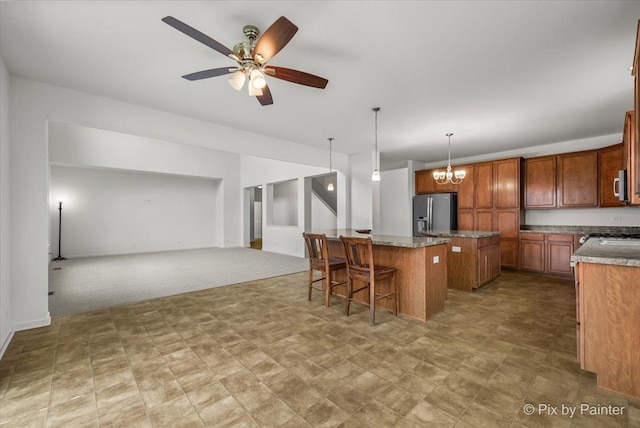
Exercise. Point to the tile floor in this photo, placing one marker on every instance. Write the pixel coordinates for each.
(259, 354)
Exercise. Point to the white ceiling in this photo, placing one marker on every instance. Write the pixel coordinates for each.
(499, 75)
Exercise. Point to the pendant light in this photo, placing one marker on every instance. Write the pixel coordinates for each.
(449, 177)
(376, 172)
(330, 186)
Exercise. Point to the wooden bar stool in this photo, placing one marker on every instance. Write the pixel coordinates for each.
(359, 255)
(319, 260)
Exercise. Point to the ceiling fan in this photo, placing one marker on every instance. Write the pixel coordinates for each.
(252, 57)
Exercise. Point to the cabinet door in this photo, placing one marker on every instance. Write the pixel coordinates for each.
(484, 185)
(632, 153)
(508, 223)
(532, 255)
(425, 182)
(466, 189)
(506, 182)
(495, 262)
(484, 265)
(465, 219)
(611, 161)
(559, 251)
(509, 252)
(578, 179)
(484, 220)
(540, 182)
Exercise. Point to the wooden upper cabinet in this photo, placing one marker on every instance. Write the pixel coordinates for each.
(425, 182)
(466, 219)
(466, 189)
(578, 179)
(540, 182)
(483, 185)
(611, 161)
(484, 220)
(507, 183)
(632, 156)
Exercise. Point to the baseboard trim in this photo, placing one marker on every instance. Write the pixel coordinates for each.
(6, 343)
(27, 325)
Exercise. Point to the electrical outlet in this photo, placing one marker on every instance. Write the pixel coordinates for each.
(436, 259)
(616, 218)
(455, 249)
(545, 218)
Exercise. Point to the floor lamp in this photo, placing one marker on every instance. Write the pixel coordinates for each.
(59, 231)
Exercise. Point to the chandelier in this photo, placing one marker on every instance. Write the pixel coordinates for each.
(449, 176)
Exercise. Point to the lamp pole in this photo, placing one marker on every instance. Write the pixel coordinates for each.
(59, 231)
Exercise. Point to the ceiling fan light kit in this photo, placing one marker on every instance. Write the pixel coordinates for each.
(252, 57)
(449, 176)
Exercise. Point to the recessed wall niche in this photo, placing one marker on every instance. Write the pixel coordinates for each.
(282, 203)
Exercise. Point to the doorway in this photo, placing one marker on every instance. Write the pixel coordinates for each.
(255, 217)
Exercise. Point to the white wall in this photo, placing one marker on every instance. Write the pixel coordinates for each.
(32, 104)
(396, 210)
(361, 186)
(6, 330)
(282, 203)
(83, 146)
(623, 216)
(119, 212)
(288, 239)
(322, 218)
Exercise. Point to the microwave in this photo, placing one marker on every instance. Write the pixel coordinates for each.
(620, 185)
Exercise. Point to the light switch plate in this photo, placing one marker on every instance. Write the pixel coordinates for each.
(436, 259)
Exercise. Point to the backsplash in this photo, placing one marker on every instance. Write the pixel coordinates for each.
(579, 229)
(617, 217)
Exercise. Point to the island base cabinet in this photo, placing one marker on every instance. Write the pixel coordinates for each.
(608, 319)
(473, 262)
(421, 278)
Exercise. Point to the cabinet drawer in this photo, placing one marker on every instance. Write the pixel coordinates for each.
(532, 236)
(495, 240)
(483, 242)
(560, 238)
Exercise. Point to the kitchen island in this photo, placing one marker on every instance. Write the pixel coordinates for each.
(608, 312)
(473, 259)
(421, 265)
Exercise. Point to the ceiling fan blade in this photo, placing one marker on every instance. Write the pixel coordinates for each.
(265, 99)
(273, 39)
(295, 76)
(195, 34)
(212, 72)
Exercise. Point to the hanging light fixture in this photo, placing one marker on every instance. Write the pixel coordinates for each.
(330, 186)
(376, 172)
(453, 177)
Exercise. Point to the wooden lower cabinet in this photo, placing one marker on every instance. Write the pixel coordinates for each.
(473, 262)
(608, 306)
(532, 252)
(510, 253)
(548, 254)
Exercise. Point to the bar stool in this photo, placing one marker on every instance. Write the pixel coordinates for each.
(359, 255)
(319, 260)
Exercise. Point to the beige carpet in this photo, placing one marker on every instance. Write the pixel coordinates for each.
(90, 283)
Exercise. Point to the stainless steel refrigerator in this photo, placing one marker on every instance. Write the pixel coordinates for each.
(435, 212)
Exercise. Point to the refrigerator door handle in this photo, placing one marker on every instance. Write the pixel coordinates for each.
(430, 213)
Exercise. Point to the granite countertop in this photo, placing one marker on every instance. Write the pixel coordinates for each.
(621, 252)
(389, 240)
(463, 233)
(578, 230)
